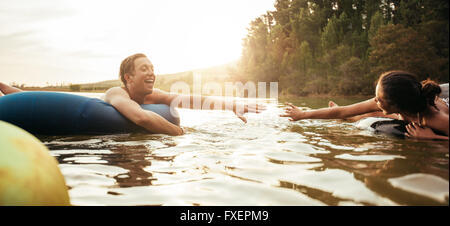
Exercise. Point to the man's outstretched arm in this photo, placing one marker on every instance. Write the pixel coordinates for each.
(151, 121)
(206, 103)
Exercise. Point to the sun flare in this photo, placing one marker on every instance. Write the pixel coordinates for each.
(85, 41)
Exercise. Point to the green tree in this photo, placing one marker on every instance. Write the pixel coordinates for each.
(341, 46)
(375, 23)
(353, 78)
(396, 47)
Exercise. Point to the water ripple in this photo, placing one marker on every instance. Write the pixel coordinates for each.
(268, 161)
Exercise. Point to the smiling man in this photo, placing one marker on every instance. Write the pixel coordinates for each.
(138, 78)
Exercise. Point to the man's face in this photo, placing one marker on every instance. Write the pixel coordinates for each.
(143, 79)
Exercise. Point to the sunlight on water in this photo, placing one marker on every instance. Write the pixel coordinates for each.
(268, 161)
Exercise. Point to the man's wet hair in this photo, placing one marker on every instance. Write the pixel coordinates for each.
(127, 66)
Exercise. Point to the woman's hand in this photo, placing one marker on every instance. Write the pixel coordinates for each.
(419, 132)
(293, 112)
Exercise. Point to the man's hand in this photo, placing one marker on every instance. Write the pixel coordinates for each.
(240, 109)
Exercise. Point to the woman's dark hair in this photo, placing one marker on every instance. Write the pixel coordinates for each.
(402, 90)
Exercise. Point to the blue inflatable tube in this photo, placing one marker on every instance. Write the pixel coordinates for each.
(50, 113)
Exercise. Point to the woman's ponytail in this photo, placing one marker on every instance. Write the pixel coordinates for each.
(430, 90)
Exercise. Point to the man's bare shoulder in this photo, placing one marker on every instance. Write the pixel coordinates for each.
(115, 91)
(156, 97)
(158, 92)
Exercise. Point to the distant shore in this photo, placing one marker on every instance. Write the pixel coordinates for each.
(59, 89)
(280, 96)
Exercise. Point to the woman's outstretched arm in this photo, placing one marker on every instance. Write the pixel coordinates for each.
(340, 112)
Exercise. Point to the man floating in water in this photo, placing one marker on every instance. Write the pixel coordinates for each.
(138, 78)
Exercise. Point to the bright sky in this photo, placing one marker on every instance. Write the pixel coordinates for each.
(67, 41)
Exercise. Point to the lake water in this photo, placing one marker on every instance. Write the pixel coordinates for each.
(268, 161)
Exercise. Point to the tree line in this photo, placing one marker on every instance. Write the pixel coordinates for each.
(342, 46)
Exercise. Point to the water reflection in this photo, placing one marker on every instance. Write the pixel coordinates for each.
(134, 160)
(375, 159)
(268, 161)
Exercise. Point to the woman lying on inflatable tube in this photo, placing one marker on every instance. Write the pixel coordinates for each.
(399, 95)
(125, 109)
